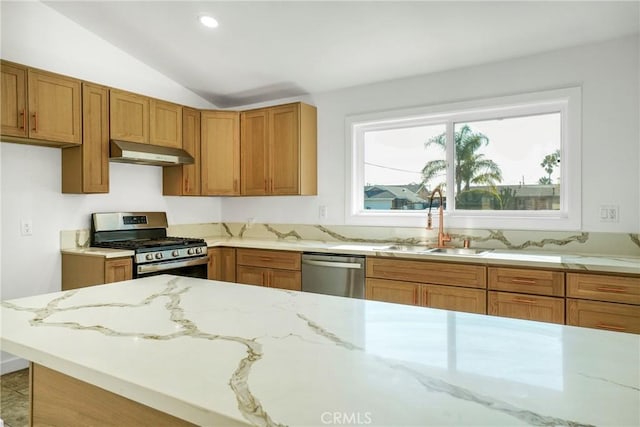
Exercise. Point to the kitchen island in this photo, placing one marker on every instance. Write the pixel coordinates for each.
(216, 353)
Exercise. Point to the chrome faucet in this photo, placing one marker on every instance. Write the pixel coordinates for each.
(442, 236)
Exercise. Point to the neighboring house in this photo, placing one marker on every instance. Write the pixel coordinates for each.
(385, 197)
(511, 197)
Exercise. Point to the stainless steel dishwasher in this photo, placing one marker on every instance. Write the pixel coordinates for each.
(333, 274)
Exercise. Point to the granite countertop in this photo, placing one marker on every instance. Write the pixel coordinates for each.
(102, 252)
(218, 353)
(579, 263)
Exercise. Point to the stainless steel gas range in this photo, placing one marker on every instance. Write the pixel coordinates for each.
(145, 233)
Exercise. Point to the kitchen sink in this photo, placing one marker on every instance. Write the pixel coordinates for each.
(459, 251)
(407, 248)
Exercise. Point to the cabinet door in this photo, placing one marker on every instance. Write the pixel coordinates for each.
(14, 100)
(165, 124)
(117, 270)
(392, 291)
(222, 264)
(184, 180)
(129, 116)
(284, 150)
(54, 107)
(285, 279)
(284, 260)
(252, 275)
(254, 148)
(220, 153)
(529, 307)
(539, 282)
(604, 287)
(603, 315)
(454, 298)
(95, 145)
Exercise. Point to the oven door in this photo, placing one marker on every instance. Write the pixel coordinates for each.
(191, 267)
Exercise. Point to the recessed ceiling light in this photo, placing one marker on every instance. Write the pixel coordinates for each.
(208, 21)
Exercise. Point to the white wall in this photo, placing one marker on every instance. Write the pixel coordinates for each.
(609, 76)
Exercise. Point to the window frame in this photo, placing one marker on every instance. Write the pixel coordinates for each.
(566, 101)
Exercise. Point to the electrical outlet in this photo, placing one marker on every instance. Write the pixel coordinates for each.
(609, 213)
(26, 227)
(322, 212)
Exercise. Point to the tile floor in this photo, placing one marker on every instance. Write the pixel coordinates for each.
(14, 398)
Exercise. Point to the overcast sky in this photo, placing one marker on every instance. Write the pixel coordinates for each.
(517, 145)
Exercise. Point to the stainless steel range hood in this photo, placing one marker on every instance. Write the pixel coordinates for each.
(145, 154)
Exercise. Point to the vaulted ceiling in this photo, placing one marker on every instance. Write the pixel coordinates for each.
(273, 49)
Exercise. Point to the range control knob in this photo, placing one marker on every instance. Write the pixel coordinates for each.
(198, 250)
(190, 251)
(175, 253)
(149, 257)
(159, 255)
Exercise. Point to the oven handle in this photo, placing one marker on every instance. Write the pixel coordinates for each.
(151, 268)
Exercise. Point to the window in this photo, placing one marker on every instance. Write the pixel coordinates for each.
(511, 162)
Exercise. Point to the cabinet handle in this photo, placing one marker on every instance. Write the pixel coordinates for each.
(524, 300)
(235, 185)
(35, 121)
(23, 113)
(611, 327)
(522, 281)
(265, 186)
(271, 185)
(611, 289)
(266, 259)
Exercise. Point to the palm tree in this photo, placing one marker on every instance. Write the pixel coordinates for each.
(549, 163)
(470, 167)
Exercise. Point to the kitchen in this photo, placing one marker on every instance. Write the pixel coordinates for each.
(31, 175)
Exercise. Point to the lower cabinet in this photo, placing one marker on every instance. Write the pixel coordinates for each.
(274, 269)
(222, 264)
(604, 301)
(392, 291)
(79, 271)
(603, 315)
(446, 286)
(526, 306)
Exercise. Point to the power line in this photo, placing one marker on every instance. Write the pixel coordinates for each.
(390, 168)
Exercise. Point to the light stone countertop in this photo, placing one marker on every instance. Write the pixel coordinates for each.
(216, 353)
(102, 252)
(579, 263)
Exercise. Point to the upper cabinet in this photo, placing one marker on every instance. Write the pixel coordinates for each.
(129, 116)
(220, 153)
(14, 100)
(185, 180)
(165, 124)
(85, 168)
(279, 150)
(137, 118)
(40, 107)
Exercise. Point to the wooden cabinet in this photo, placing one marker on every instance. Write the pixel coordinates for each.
(220, 153)
(392, 291)
(538, 282)
(603, 315)
(45, 111)
(117, 270)
(129, 116)
(604, 301)
(454, 298)
(222, 264)
(526, 294)
(526, 306)
(446, 286)
(85, 168)
(440, 273)
(275, 269)
(184, 180)
(278, 150)
(14, 100)
(165, 123)
(79, 270)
